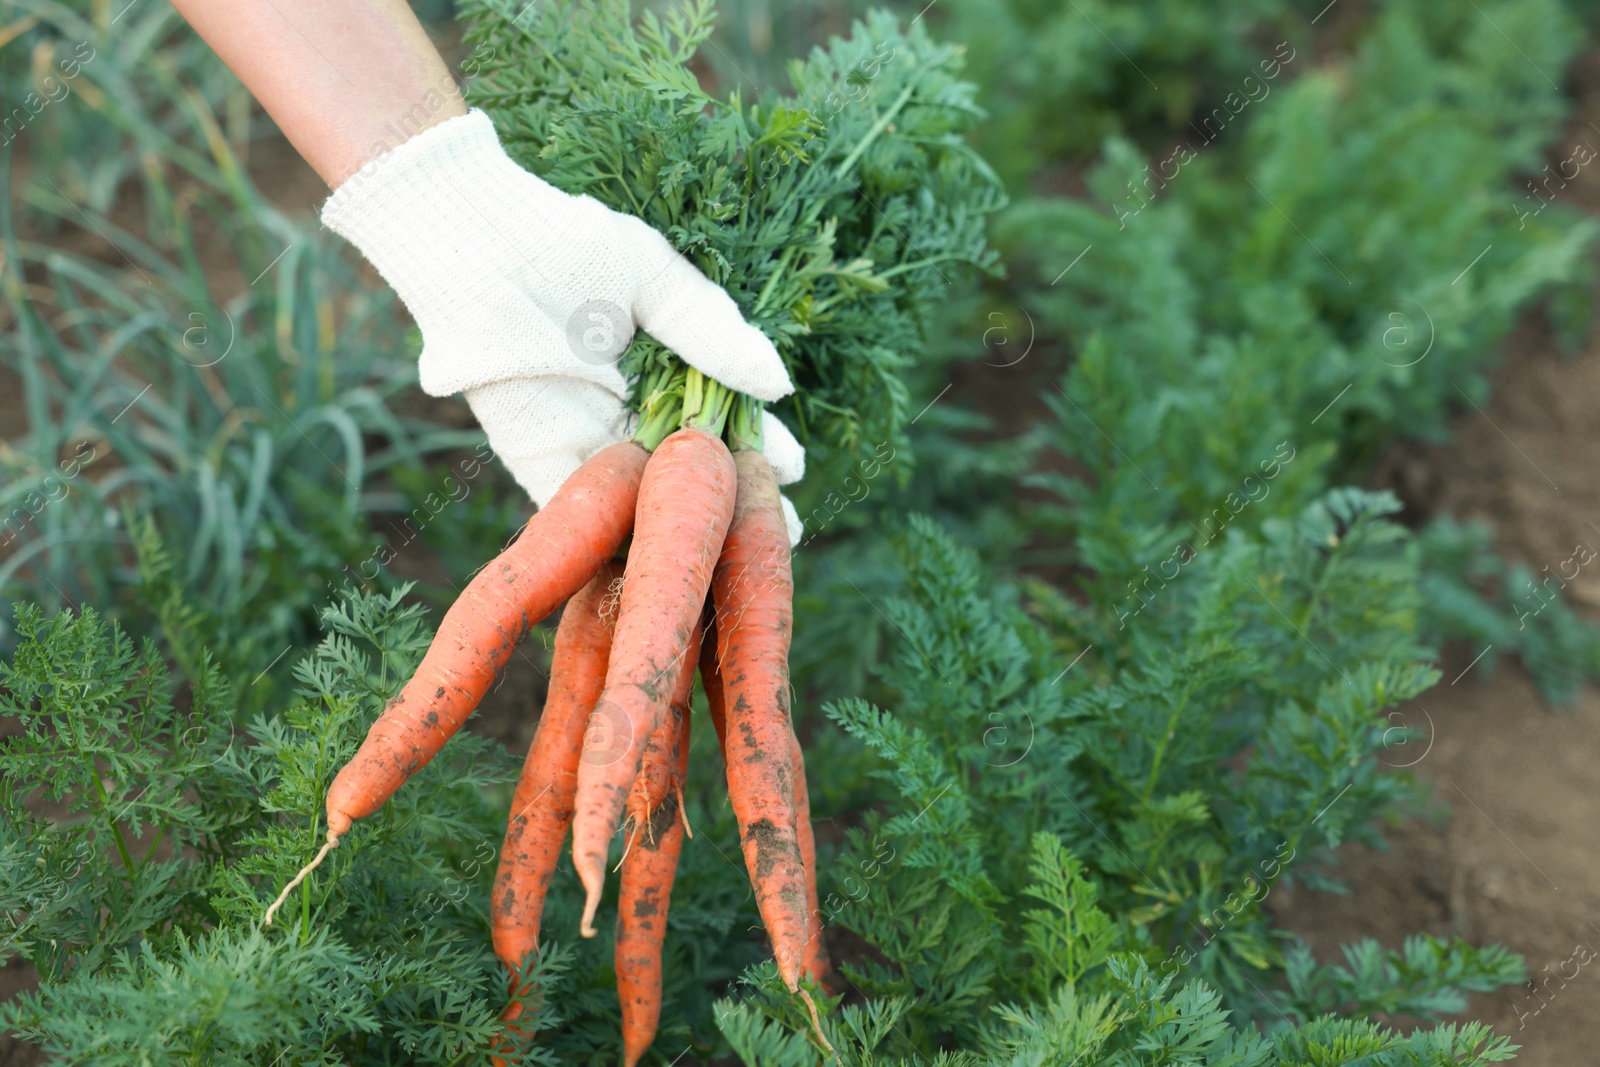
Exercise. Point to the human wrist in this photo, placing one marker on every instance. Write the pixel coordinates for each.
(366, 134)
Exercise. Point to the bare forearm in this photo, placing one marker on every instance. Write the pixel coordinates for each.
(346, 80)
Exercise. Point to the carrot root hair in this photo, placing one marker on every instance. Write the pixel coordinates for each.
(322, 854)
(612, 601)
(682, 814)
(816, 1020)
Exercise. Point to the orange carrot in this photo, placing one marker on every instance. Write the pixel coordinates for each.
(654, 831)
(816, 957)
(754, 592)
(685, 503)
(541, 810)
(816, 960)
(558, 551)
(711, 679)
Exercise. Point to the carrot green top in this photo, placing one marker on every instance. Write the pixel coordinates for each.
(836, 215)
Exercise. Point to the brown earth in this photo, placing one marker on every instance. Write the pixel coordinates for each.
(1513, 862)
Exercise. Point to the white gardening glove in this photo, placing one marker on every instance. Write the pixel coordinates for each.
(527, 298)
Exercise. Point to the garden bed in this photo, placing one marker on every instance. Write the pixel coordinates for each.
(1514, 860)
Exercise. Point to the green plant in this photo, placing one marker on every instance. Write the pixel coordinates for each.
(1358, 298)
(1100, 775)
(1275, 657)
(142, 908)
(1064, 77)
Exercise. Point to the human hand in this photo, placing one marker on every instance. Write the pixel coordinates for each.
(527, 297)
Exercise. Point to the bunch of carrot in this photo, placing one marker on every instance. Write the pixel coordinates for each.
(706, 585)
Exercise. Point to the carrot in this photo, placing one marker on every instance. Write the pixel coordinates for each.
(655, 828)
(753, 592)
(816, 959)
(686, 501)
(711, 679)
(541, 809)
(558, 551)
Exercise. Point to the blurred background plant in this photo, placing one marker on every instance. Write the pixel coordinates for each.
(186, 350)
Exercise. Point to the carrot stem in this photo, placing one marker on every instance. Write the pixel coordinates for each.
(743, 432)
(706, 403)
(661, 410)
(872, 134)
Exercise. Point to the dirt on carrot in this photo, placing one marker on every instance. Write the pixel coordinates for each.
(754, 592)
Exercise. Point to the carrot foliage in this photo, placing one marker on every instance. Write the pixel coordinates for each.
(837, 214)
(140, 906)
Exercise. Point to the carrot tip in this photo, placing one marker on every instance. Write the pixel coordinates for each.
(591, 904)
(590, 907)
(592, 873)
(330, 844)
